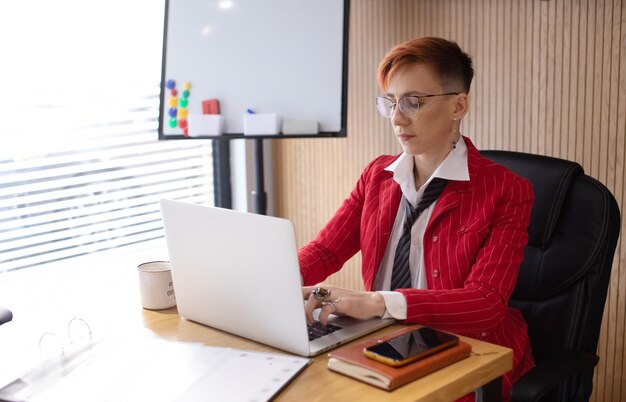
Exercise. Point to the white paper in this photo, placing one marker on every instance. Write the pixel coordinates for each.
(152, 369)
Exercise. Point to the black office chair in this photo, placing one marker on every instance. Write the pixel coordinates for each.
(563, 281)
(5, 315)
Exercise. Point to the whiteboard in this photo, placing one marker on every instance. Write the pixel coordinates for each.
(287, 57)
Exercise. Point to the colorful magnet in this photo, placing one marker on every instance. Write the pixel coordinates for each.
(178, 106)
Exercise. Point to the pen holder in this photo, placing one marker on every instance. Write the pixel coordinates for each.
(261, 124)
(205, 125)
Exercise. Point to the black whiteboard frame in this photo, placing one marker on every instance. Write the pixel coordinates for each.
(328, 134)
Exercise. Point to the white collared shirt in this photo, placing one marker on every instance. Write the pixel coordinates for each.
(453, 167)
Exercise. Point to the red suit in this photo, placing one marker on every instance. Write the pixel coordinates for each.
(473, 247)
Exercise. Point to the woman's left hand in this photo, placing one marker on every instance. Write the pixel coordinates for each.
(341, 301)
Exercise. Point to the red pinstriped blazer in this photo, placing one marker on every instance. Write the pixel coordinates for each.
(473, 247)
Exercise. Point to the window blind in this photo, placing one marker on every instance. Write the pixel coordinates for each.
(101, 192)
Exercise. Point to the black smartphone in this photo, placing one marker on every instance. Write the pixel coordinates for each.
(411, 346)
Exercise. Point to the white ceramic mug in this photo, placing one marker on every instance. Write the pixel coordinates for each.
(156, 286)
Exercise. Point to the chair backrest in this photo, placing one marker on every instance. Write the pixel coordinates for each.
(563, 280)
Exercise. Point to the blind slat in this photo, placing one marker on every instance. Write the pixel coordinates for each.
(103, 174)
(28, 228)
(107, 202)
(86, 244)
(150, 153)
(78, 250)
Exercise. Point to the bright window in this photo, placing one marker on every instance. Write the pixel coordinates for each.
(81, 169)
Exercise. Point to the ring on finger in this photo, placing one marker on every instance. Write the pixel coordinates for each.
(321, 294)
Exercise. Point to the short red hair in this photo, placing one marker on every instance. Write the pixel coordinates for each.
(452, 65)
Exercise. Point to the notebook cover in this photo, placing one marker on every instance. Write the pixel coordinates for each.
(351, 361)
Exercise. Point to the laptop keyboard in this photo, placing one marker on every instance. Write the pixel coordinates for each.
(317, 330)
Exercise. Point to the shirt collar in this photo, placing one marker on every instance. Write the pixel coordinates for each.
(453, 167)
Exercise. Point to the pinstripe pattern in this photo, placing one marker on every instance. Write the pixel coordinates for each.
(401, 274)
(473, 247)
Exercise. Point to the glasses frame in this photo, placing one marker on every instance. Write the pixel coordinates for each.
(397, 103)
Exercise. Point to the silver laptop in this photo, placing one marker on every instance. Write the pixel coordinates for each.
(238, 272)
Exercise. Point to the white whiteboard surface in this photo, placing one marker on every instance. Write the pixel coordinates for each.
(270, 56)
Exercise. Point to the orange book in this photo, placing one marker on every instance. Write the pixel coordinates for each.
(351, 361)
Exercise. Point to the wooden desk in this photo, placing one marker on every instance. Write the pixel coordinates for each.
(106, 295)
(483, 368)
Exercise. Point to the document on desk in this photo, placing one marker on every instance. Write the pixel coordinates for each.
(153, 369)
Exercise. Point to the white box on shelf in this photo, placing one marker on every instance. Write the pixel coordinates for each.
(292, 126)
(205, 125)
(261, 124)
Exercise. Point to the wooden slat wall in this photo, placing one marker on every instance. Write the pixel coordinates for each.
(551, 80)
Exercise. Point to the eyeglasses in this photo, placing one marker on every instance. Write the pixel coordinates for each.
(408, 105)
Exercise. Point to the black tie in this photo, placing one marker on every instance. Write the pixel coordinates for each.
(401, 274)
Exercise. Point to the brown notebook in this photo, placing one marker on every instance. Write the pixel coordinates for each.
(351, 362)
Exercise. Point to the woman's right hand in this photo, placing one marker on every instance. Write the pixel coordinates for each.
(340, 301)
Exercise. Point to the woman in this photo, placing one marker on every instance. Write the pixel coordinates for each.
(450, 261)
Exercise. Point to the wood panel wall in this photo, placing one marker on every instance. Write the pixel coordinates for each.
(550, 79)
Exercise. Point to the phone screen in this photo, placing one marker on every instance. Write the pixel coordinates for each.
(411, 345)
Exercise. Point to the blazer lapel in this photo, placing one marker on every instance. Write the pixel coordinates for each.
(451, 196)
(387, 211)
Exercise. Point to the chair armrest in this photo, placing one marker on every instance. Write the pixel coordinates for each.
(5, 315)
(549, 373)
